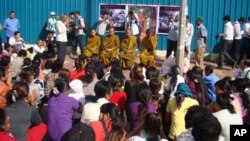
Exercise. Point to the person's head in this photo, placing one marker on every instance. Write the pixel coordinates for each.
(137, 73)
(143, 93)
(224, 101)
(103, 89)
(226, 19)
(22, 53)
(36, 70)
(17, 34)
(39, 43)
(151, 72)
(79, 132)
(155, 87)
(193, 113)
(241, 20)
(79, 64)
(175, 70)
(53, 15)
(198, 70)
(111, 31)
(61, 86)
(206, 128)
(117, 70)
(5, 62)
(245, 63)
(209, 70)
(56, 66)
(177, 18)
(130, 13)
(65, 74)
(115, 82)
(240, 85)
(71, 15)
(27, 75)
(153, 126)
(148, 32)
(8, 47)
(128, 32)
(20, 90)
(26, 62)
(222, 86)
(109, 112)
(93, 32)
(63, 18)
(198, 21)
(12, 14)
(77, 13)
(95, 58)
(4, 121)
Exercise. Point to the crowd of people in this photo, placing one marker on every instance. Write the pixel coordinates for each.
(40, 99)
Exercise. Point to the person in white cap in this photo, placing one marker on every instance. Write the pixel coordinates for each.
(51, 23)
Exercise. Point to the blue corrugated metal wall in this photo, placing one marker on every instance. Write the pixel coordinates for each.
(34, 13)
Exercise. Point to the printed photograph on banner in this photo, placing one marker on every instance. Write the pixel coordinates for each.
(115, 16)
(166, 16)
(146, 18)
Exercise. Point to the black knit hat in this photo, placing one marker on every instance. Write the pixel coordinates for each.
(79, 132)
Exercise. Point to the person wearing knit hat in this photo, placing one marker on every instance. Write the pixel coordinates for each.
(177, 109)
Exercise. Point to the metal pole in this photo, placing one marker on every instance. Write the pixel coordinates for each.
(181, 38)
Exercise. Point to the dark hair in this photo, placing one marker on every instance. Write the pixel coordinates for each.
(151, 72)
(95, 58)
(16, 32)
(246, 62)
(241, 85)
(71, 13)
(206, 128)
(30, 50)
(102, 88)
(12, 12)
(116, 120)
(175, 70)
(37, 59)
(36, 70)
(153, 126)
(200, 92)
(224, 101)
(56, 66)
(187, 17)
(25, 74)
(241, 19)
(89, 73)
(20, 90)
(226, 18)
(48, 64)
(6, 46)
(135, 75)
(3, 116)
(197, 70)
(5, 61)
(155, 87)
(117, 70)
(115, 82)
(78, 64)
(143, 95)
(77, 12)
(193, 113)
(223, 85)
(209, 69)
(2, 72)
(79, 132)
(26, 62)
(61, 84)
(22, 53)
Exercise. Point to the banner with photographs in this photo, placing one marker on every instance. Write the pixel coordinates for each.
(116, 15)
(147, 17)
(166, 15)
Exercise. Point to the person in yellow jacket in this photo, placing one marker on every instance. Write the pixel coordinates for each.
(110, 45)
(149, 44)
(93, 44)
(127, 51)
